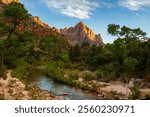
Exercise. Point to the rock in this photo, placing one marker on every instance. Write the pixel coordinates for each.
(103, 84)
(118, 89)
(80, 33)
(134, 82)
(9, 1)
(13, 88)
(143, 93)
(90, 86)
(66, 76)
(80, 80)
(40, 22)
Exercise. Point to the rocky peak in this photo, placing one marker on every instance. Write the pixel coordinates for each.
(40, 22)
(81, 34)
(9, 1)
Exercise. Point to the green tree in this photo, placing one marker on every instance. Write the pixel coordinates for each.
(74, 53)
(13, 15)
(53, 46)
(126, 32)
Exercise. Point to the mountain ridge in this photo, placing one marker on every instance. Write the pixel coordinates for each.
(78, 34)
(81, 33)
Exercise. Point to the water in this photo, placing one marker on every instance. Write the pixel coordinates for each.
(63, 91)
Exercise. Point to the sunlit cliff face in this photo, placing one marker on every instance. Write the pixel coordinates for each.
(81, 32)
(8, 1)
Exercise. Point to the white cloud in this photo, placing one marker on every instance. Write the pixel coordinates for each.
(134, 4)
(81, 9)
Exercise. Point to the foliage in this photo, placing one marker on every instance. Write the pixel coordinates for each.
(53, 46)
(12, 15)
(21, 69)
(88, 76)
(73, 74)
(135, 92)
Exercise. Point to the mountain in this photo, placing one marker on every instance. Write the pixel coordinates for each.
(8, 1)
(34, 24)
(38, 27)
(80, 34)
(40, 22)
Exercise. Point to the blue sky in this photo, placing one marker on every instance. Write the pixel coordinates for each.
(96, 14)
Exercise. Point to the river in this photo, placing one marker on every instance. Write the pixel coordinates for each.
(62, 91)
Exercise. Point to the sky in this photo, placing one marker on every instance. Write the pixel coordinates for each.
(96, 14)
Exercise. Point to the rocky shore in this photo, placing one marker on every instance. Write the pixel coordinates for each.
(117, 89)
(13, 89)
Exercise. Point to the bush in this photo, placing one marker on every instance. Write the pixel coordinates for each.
(129, 64)
(74, 75)
(21, 69)
(100, 73)
(88, 76)
(106, 75)
(147, 97)
(3, 72)
(135, 92)
(54, 72)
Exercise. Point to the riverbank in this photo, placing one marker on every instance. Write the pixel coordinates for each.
(119, 90)
(14, 89)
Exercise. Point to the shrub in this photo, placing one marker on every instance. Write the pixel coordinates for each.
(100, 73)
(135, 92)
(106, 75)
(21, 69)
(130, 63)
(74, 74)
(88, 76)
(147, 97)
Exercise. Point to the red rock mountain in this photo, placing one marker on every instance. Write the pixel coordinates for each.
(35, 24)
(8, 1)
(40, 22)
(80, 34)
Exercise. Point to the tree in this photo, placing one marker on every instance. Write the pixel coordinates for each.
(74, 53)
(13, 15)
(114, 29)
(126, 32)
(53, 46)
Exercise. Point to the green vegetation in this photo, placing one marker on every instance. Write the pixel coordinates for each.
(127, 57)
(135, 92)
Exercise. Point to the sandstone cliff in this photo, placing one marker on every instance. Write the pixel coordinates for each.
(80, 34)
(40, 22)
(8, 1)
